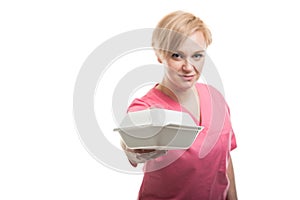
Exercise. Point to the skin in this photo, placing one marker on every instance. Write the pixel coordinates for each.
(183, 67)
(231, 194)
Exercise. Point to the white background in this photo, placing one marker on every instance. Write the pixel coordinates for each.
(43, 45)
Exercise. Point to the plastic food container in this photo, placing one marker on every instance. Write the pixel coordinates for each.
(158, 129)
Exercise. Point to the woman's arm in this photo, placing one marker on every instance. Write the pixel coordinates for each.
(232, 194)
(136, 156)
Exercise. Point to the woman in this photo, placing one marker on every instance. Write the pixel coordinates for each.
(204, 171)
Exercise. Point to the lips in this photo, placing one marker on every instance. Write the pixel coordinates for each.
(187, 77)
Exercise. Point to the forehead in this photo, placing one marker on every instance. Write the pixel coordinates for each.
(195, 42)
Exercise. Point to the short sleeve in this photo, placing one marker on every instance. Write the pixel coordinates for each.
(137, 105)
(233, 144)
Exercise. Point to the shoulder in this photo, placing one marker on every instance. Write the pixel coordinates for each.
(137, 105)
(144, 102)
(154, 99)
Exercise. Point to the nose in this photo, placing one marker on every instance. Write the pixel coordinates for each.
(187, 66)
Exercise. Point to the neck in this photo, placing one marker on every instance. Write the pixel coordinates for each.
(186, 98)
(178, 95)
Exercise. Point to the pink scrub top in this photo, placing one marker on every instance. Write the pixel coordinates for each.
(200, 171)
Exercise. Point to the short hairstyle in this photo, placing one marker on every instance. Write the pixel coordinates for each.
(174, 28)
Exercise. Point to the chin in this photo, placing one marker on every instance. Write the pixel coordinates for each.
(186, 85)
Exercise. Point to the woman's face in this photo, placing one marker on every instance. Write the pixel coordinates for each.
(184, 66)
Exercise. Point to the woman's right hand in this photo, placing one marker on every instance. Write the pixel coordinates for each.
(136, 156)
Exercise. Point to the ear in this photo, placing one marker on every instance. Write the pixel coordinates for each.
(159, 60)
(158, 57)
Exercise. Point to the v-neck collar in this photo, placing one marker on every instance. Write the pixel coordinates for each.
(174, 105)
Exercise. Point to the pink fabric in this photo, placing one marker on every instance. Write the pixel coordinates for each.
(200, 171)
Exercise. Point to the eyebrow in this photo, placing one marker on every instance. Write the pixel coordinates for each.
(198, 51)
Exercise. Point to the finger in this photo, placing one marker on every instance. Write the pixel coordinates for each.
(143, 150)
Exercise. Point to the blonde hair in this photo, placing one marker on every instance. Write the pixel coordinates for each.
(174, 28)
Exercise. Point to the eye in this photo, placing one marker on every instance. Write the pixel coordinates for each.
(177, 56)
(198, 56)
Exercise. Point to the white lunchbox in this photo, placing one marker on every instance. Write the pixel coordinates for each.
(158, 129)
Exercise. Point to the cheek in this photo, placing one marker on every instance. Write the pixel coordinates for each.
(173, 65)
(199, 66)
(170, 72)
